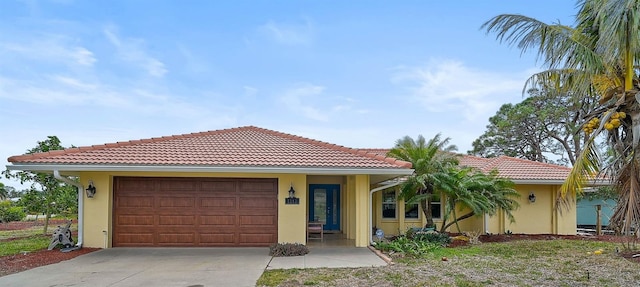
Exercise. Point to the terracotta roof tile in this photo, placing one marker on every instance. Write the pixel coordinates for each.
(240, 147)
(509, 167)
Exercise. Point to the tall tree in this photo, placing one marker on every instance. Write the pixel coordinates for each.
(45, 183)
(596, 57)
(545, 123)
(431, 160)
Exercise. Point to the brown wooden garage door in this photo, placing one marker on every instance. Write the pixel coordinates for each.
(194, 212)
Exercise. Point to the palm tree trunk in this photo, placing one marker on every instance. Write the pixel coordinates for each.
(462, 217)
(426, 209)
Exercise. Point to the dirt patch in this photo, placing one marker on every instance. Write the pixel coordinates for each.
(19, 225)
(21, 262)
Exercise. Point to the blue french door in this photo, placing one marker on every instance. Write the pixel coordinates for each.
(324, 205)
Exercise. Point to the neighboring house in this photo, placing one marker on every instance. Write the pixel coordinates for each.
(233, 187)
(541, 180)
(587, 214)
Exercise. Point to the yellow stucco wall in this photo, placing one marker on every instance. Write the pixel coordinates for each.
(540, 217)
(98, 210)
(363, 228)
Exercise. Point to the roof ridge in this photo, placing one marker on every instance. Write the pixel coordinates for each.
(73, 150)
(341, 148)
(536, 162)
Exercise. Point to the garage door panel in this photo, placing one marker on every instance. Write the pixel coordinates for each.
(218, 220)
(136, 239)
(176, 201)
(136, 220)
(249, 202)
(176, 220)
(195, 212)
(218, 186)
(258, 220)
(134, 201)
(137, 184)
(254, 186)
(218, 238)
(177, 185)
(218, 202)
(176, 238)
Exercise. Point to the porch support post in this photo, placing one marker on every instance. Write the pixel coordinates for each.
(362, 210)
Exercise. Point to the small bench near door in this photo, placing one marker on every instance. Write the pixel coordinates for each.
(315, 228)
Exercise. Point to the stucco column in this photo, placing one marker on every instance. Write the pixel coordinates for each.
(362, 210)
(292, 218)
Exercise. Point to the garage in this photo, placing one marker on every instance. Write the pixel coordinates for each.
(194, 212)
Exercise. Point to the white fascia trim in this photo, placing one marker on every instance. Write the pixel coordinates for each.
(140, 168)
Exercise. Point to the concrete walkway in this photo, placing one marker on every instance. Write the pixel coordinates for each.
(330, 257)
(187, 267)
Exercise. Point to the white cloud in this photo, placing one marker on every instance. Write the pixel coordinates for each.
(133, 51)
(450, 86)
(50, 48)
(289, 34)
(299, 98)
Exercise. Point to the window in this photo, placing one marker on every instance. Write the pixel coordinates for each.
(436, 206)
(411, 211)
(389, 204)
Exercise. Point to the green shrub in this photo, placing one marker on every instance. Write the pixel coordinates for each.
(9, 213)
(442, 239)
(408, 246)
(288, 249)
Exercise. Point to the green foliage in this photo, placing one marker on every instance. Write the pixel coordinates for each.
(601, 192)
(288, 249)
(408, 246)
(9, 212)
(47, 194)
(546, 123)
(443, 239)
(4, 192)
(430, 160)
(478, 192)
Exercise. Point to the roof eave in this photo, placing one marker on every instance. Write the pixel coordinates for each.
(219, 169)
(557, 182)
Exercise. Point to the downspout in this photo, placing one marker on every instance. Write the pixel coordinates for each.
(371, 207)
(66, 180)
(486, 223)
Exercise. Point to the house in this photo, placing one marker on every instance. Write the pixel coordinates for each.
(250, 186)
(537, 183)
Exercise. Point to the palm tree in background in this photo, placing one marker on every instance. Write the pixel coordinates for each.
(431, 161)
(598, 57)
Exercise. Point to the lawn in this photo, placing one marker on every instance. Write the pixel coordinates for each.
(516, 263)
(26, 240)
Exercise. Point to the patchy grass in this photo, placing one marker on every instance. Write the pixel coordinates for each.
(25, 244)
(9, 234)
(516, 263)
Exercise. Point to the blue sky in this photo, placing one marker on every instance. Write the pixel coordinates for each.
(353, 73)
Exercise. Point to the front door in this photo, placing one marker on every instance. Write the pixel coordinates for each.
(324, 205)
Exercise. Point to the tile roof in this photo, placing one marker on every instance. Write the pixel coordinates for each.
(509, 167)
(237, 147)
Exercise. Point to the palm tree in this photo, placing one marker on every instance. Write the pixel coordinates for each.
(478, 193)
(596, 58)
(431, 160)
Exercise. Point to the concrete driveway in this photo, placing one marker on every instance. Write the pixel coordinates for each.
(151, 267)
